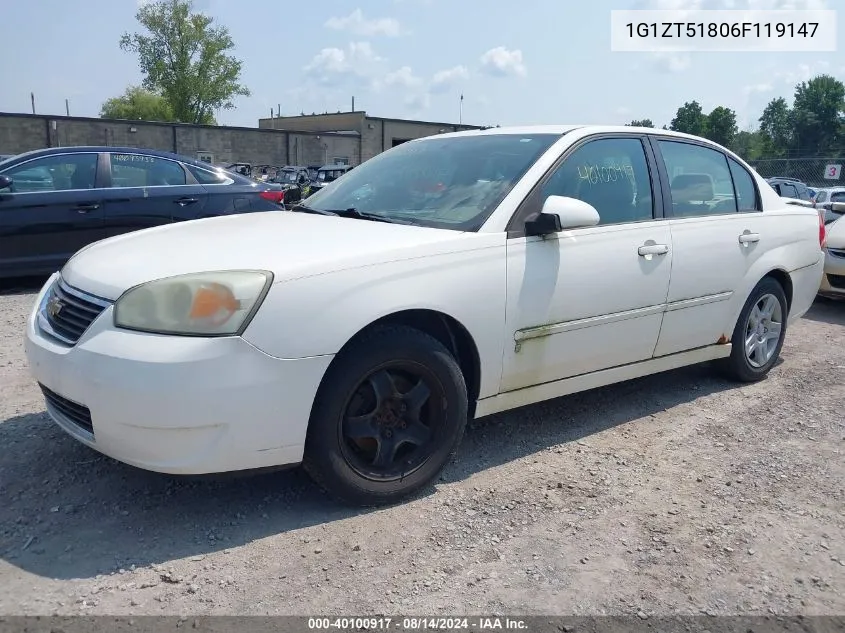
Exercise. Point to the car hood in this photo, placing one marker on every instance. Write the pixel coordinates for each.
(290, 245)
(835, 233)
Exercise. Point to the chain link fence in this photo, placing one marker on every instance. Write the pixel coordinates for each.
(815, 172)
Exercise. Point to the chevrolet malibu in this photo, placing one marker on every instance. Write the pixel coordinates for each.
(449, 278)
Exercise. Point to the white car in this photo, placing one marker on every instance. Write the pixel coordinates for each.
(449, 278)
(833, 281)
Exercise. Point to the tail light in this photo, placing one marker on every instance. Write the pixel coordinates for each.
(822, 230)
(273, 196)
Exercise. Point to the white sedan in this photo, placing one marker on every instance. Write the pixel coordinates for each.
(449, 278)
(833, 282)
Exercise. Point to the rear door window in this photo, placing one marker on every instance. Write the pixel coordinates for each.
(138, 170)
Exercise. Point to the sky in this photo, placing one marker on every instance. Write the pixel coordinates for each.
(516, 62)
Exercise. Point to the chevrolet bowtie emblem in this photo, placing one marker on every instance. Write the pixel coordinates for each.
(54, 306)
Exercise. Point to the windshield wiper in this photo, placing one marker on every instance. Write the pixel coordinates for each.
(363, 215)
(306, 209)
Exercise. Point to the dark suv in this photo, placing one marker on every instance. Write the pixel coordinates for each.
(790, 188)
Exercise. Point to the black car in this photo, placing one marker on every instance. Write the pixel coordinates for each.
(296, 182)
(790, 188)
(327, 174)
(55, 201)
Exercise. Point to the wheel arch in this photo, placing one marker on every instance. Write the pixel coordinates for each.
(443, 327)
(779, 274)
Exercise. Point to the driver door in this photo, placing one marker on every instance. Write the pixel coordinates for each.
(591, 298)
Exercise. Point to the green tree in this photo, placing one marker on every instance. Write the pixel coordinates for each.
(689, 119)
(641, 123)
(776, 127)
(185, 58)
(750, 144)
(817, 115)
(138, 104)
(720, 126)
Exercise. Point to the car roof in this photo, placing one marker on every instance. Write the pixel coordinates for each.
(563, 129)
(114, 150)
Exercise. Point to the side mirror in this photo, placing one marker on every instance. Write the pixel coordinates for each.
(560, 213)
(838, 207)
(5, 182)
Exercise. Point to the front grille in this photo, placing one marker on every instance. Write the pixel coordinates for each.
(837, 281)
(73, 411)
(67, 312)
(836, 252)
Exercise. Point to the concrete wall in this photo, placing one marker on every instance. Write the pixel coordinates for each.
(339, 122)
(24, 132)
(377, 134)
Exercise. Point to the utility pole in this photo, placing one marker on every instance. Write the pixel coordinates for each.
(32, 98)
(67, 108)
(461, 115)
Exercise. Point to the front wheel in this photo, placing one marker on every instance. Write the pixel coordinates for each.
(389, 414)
(759, 333)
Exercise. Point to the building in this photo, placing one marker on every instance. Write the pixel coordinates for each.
(348, 138)
(375, 134)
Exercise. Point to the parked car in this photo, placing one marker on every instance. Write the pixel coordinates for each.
(327, 174)
(295, 181)
(833, 282)
(359, 332)
(55, 201)
(825, 200)
(790, 188)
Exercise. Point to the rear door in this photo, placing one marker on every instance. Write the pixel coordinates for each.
(718, 232)
(229, 193)
(53, 208)
(145, 190)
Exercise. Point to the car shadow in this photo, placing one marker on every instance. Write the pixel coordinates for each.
(830, 311)
(68, 512)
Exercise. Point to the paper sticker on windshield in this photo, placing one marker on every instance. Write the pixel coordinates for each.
(132, 158)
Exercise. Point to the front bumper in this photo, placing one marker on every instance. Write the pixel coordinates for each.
(172, 404)
(833, 281)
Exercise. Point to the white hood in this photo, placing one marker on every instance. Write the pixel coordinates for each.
(289, 244)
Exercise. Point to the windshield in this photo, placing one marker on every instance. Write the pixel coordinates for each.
(452, 183)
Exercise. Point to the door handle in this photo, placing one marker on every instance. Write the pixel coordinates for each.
(652, 249)
(748, 238)
(87, 207)
(185, 201)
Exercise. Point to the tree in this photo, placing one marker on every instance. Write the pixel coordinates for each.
(184, 58)
(721, 126)
(137, 103)
(641, 123)
(776, 127)
(817, 114)
(750, 144)
(689, 119)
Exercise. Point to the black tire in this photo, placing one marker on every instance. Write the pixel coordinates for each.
(347, 403)
(738, 366)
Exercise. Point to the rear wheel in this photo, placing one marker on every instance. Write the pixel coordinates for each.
(389, 415)
(759, 333)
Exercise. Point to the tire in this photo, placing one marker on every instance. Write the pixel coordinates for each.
(743, 365)
(352, 427)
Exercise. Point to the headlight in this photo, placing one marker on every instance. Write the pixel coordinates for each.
(200, 304)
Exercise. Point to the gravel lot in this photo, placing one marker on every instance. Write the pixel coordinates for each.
(674, 494)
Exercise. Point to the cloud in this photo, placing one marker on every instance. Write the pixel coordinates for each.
(501, 62)
(418, 102)
(403, 78)
(443, 80)
(357, 24)
(358, 59)
(670, 62)
(802, 72)
(748, 5)
(757, 88)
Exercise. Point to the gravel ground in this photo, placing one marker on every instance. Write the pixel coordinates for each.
(673, 494)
